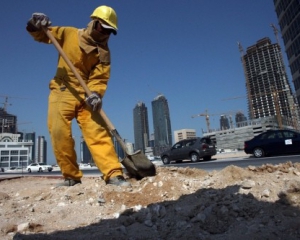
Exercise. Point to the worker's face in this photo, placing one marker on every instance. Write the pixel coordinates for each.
(99, 28)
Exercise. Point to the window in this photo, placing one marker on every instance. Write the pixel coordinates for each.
(288, 134)
(14, 152)
(14, 159)
(4, 159)
(177, 145)
(271, 135)
(23, 152)
(4, 153)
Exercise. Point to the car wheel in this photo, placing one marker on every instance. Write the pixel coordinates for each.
(194, 157)
(165, 160)
(29, 170)
(49, 170)
(258, 152)
(40, 170)
(206, 158)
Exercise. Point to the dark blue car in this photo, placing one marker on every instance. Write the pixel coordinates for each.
(273, 142)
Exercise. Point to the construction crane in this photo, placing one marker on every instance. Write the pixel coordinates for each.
(6, 104)
(207, 115)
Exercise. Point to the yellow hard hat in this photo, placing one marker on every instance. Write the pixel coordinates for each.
(107, 14)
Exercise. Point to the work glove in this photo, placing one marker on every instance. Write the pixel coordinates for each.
(39, 20)
(94, 101)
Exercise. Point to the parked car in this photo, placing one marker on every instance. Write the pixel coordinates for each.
(38, 167)
(273, 142)
(193, 149)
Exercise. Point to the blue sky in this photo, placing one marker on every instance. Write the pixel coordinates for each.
(184, 49)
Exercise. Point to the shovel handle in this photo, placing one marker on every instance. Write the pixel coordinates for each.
(109, 124)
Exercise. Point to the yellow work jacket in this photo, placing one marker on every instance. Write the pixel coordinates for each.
(93, 72)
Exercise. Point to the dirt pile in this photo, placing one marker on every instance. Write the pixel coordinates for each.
(178, 203)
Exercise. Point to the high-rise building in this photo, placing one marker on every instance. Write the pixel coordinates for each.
(30, 137)
(161, 125)
(224, 122)
(268, 89)
(8, 122)
(41, 150)
(288, 14)
(85, 154)
(240, 119)
(140, 126)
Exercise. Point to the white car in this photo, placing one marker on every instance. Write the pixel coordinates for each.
(38, 167)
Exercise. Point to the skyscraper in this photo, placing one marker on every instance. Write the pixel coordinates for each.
(240, 119)
(31, 137)
(161, 124)
(140, 126)
(268, 89)
(224, 122)
(85, 154)
(41, 150)
(288, 14)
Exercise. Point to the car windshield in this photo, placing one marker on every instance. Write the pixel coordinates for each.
(42, 163)
(206, 140)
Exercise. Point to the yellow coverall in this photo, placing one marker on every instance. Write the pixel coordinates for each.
(66, 102)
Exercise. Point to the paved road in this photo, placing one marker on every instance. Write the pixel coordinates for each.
(217, 163)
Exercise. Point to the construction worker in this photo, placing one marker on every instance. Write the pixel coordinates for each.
(88, 50)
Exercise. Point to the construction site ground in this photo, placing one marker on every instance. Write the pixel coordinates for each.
(178, 203)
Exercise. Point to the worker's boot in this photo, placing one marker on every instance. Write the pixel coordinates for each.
(68, 183)
(118, 181)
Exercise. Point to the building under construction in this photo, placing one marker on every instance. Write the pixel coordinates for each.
(8, 122)
(268, 89)
(271, 104)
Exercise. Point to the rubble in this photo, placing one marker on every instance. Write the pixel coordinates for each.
(185, 203)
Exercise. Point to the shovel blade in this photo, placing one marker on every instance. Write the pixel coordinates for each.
(138, 165)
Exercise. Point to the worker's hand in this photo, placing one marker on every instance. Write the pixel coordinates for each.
(39, 20)
(94, 101)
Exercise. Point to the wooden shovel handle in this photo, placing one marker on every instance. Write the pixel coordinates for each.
(81, 81)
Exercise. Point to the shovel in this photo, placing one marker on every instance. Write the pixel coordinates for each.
(136, 164)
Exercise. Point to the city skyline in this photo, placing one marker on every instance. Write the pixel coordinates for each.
(195, 65)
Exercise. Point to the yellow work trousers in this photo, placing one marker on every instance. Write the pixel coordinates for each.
(63, 108)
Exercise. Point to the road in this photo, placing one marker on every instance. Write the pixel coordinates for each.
(214, 164)
(218, 164)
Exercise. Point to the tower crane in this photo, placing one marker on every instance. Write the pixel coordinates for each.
(206, 118)
(6, 104)
(207, 115)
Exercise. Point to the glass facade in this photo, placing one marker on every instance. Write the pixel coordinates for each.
(161, 125)
(141, 127)
(224, 122)
(288, 14)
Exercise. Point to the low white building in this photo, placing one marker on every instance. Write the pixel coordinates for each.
(184, 134)
(14, 153)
